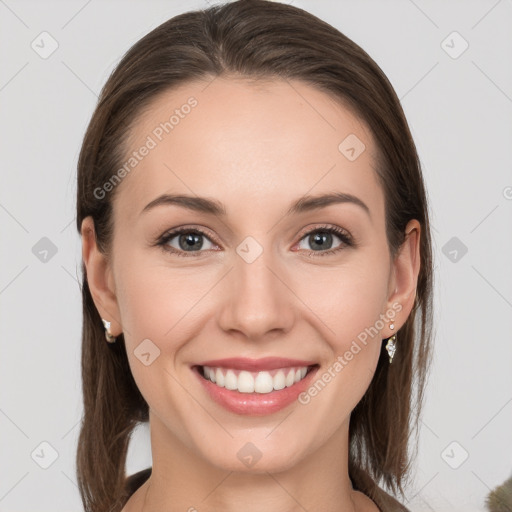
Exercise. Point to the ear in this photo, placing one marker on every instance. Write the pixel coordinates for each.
(404, 276)
(100, 277)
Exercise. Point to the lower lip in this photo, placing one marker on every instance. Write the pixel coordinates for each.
(255, 404)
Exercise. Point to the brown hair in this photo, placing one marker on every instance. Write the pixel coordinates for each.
(253, 39)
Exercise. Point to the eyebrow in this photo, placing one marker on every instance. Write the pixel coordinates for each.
(214, 207)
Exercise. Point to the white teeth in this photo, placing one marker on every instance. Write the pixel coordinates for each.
(254, 382)
(264, 383)
(290, 378)
(245, 382)
(279, 382)
(210, 374)
(219, 378)
(230, 381)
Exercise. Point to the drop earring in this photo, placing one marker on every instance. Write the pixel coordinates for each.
(391, 344)
(108, 335)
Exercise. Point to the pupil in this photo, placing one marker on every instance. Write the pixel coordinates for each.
(322, 238)
(187, 241)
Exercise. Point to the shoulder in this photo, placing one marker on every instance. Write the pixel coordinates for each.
(363, 503)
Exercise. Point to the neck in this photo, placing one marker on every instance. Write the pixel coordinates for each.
(182, 480)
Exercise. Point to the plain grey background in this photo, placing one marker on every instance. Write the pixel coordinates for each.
(450, 63)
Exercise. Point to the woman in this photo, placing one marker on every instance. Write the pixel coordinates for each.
(257, 271)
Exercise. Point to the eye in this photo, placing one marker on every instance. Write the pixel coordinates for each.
(321, 240)
(183, 240)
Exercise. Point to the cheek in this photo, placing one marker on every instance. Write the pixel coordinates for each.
(348, 299)
(157, 307)
(156, 300)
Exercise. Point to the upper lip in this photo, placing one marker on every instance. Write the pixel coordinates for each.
(255, 365)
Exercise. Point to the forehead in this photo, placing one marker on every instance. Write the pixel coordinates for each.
(247, 143)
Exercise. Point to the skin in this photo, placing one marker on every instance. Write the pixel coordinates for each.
(256, 148)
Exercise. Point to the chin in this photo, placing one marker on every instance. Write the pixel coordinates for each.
(255, 456)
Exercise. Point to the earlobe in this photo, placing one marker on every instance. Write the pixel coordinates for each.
(406, 268)
(99, 277)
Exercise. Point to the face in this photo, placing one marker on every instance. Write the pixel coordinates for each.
(259, 291)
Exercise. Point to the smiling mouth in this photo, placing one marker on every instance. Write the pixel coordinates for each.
(245, 381)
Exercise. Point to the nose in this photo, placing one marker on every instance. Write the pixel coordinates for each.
(256, 300)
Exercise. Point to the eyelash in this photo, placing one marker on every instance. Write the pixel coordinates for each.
(346, 239)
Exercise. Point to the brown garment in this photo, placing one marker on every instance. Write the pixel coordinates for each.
(383, 500)
(134, 481)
